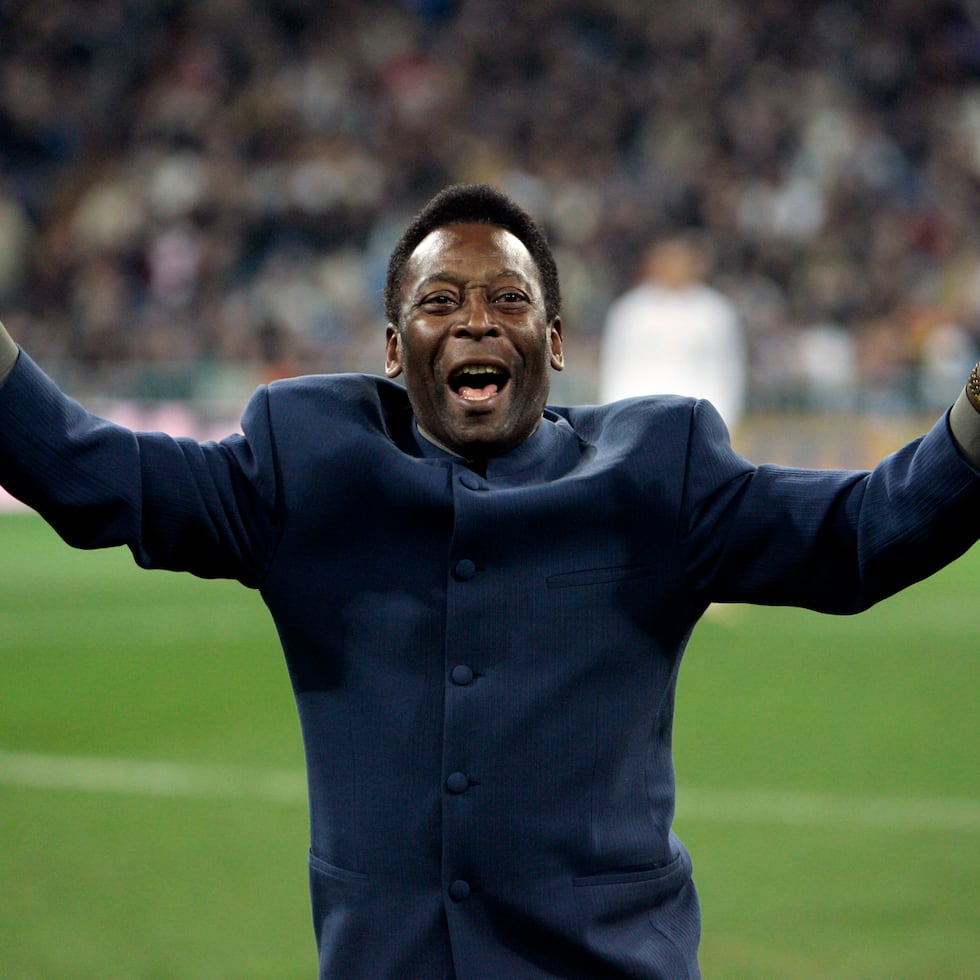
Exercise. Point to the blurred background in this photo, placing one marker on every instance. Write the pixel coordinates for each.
(198, 196)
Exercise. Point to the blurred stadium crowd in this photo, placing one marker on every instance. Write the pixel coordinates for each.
(199, 194)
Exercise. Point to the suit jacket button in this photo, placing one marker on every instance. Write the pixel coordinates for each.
(459, 890)
(457, 782)
(464, 570)
(462, 675)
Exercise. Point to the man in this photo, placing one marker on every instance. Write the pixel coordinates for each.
(673, 333)
(483, 602)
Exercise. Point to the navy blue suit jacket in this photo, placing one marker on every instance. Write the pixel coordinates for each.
(484, 666)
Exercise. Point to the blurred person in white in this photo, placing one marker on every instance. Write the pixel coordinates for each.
(672, 333)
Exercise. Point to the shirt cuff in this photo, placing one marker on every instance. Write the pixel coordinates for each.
(9, 352)
(964, 423)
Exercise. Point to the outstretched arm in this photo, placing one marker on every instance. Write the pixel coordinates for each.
(206, 508)
(831, 540)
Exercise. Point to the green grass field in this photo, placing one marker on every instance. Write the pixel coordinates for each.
(830, 788)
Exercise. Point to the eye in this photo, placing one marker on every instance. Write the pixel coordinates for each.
(438, 302)
(511, 297)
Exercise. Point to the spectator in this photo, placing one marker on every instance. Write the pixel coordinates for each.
(838, 137)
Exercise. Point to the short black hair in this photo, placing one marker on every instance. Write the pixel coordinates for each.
(479, 204)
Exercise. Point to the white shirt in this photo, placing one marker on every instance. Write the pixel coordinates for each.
(675, 341)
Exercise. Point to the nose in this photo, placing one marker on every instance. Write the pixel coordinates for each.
(476, 318)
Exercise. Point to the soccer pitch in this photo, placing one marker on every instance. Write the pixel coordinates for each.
(153, 823)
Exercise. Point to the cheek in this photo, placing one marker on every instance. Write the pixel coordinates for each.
(407, 357)
(417, 376)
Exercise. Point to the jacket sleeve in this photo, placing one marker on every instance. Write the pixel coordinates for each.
(829, 540)
(206, 508)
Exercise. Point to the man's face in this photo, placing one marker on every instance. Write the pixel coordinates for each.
(472, 339)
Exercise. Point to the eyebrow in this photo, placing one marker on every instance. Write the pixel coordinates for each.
(447, 276)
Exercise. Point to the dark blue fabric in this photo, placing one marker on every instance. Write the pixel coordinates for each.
(484, 666)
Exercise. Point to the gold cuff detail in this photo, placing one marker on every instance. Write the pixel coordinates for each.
(973, 387)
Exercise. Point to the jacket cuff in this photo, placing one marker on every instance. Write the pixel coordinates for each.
(964, 424)
(9, 352)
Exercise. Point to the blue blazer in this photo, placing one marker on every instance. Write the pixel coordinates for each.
(484, 665)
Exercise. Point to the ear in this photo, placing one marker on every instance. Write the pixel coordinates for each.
(393, 353)
(556, 344)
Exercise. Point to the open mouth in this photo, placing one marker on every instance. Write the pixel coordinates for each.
(478, 382)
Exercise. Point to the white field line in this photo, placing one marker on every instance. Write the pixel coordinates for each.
(825, 810)
(133, 777)
(136, 777)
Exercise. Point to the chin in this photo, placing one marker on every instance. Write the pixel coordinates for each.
(489, 444)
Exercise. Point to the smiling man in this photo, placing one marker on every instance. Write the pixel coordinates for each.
(474, 328)
(483, 601)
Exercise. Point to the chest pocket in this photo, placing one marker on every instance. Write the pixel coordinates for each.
(597, 576)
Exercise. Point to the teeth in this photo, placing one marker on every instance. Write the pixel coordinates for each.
(475, 369)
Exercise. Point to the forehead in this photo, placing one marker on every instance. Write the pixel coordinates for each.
(470, 250)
